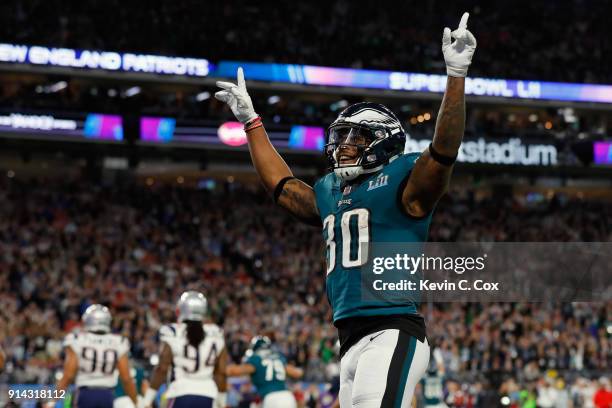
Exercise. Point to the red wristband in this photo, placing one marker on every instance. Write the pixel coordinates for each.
(253, 124)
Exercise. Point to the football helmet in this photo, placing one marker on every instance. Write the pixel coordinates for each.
(97, 318)
(373, 130)
(260, 342)
(192, 305)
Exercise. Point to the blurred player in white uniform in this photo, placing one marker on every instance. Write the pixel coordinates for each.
(196, 352)
(94, 359)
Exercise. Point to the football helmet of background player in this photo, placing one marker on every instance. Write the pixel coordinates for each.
(191, 306)
(432, 368)
(260, 342)
(97, 318)
(374, 123)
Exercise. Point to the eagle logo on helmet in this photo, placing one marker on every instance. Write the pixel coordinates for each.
(375, 123)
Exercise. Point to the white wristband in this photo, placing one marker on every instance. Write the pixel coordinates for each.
(456, 72)
(149, 396)
(221, 401)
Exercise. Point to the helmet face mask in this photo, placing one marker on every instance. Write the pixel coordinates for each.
(362, 139)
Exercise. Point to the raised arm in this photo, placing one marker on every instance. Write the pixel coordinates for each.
(431, 174)
(290, 193)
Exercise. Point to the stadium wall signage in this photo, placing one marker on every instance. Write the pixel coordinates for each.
(415, 82)
(105, 60)
(310, 139)
(510, 151)
(304, 139)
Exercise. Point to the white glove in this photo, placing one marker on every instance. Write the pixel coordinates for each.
(237, 98)
(458, 55)
(147, 400)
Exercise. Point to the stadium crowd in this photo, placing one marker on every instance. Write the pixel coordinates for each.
(381, 35)
(65, 245)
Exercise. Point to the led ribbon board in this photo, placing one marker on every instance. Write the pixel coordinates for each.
(106, 60)
(602, 153)
(415, 82)
(57, 126)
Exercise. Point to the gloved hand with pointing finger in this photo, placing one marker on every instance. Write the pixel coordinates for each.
(458, 54)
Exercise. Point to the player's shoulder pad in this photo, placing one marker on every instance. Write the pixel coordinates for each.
(404, 161)
(70, 339)
(327, 181)
(252, 358)
(212, 330)
(167, 331)
(123, 340)
(122, 343)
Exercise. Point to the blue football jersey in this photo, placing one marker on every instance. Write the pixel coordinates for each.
(354, 216)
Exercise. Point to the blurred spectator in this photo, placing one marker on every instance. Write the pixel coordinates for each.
(67, 244)
(525, 40)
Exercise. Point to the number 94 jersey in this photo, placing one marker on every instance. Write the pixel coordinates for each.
(355, 215)
(192, 367)
(98, 355)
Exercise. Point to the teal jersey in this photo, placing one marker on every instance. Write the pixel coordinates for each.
(433, 389)
(355, 216)
(137, 374)
(270, 374)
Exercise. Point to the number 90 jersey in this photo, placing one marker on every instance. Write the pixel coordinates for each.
(354, 216)
(192, 367)
(98, 355)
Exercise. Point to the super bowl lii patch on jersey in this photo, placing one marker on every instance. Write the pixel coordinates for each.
(380, 181)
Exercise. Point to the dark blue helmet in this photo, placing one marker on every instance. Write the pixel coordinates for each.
(371, 128)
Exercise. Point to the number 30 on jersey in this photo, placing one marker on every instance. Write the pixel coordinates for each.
(354, 237)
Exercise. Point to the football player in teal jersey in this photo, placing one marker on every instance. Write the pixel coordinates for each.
(433, 385)
(268, 369)
(122, 400)
(375, 193)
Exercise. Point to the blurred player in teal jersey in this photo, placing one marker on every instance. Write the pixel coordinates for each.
(375, 193)
(268, 370)
(433, 385)
(122, 400)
